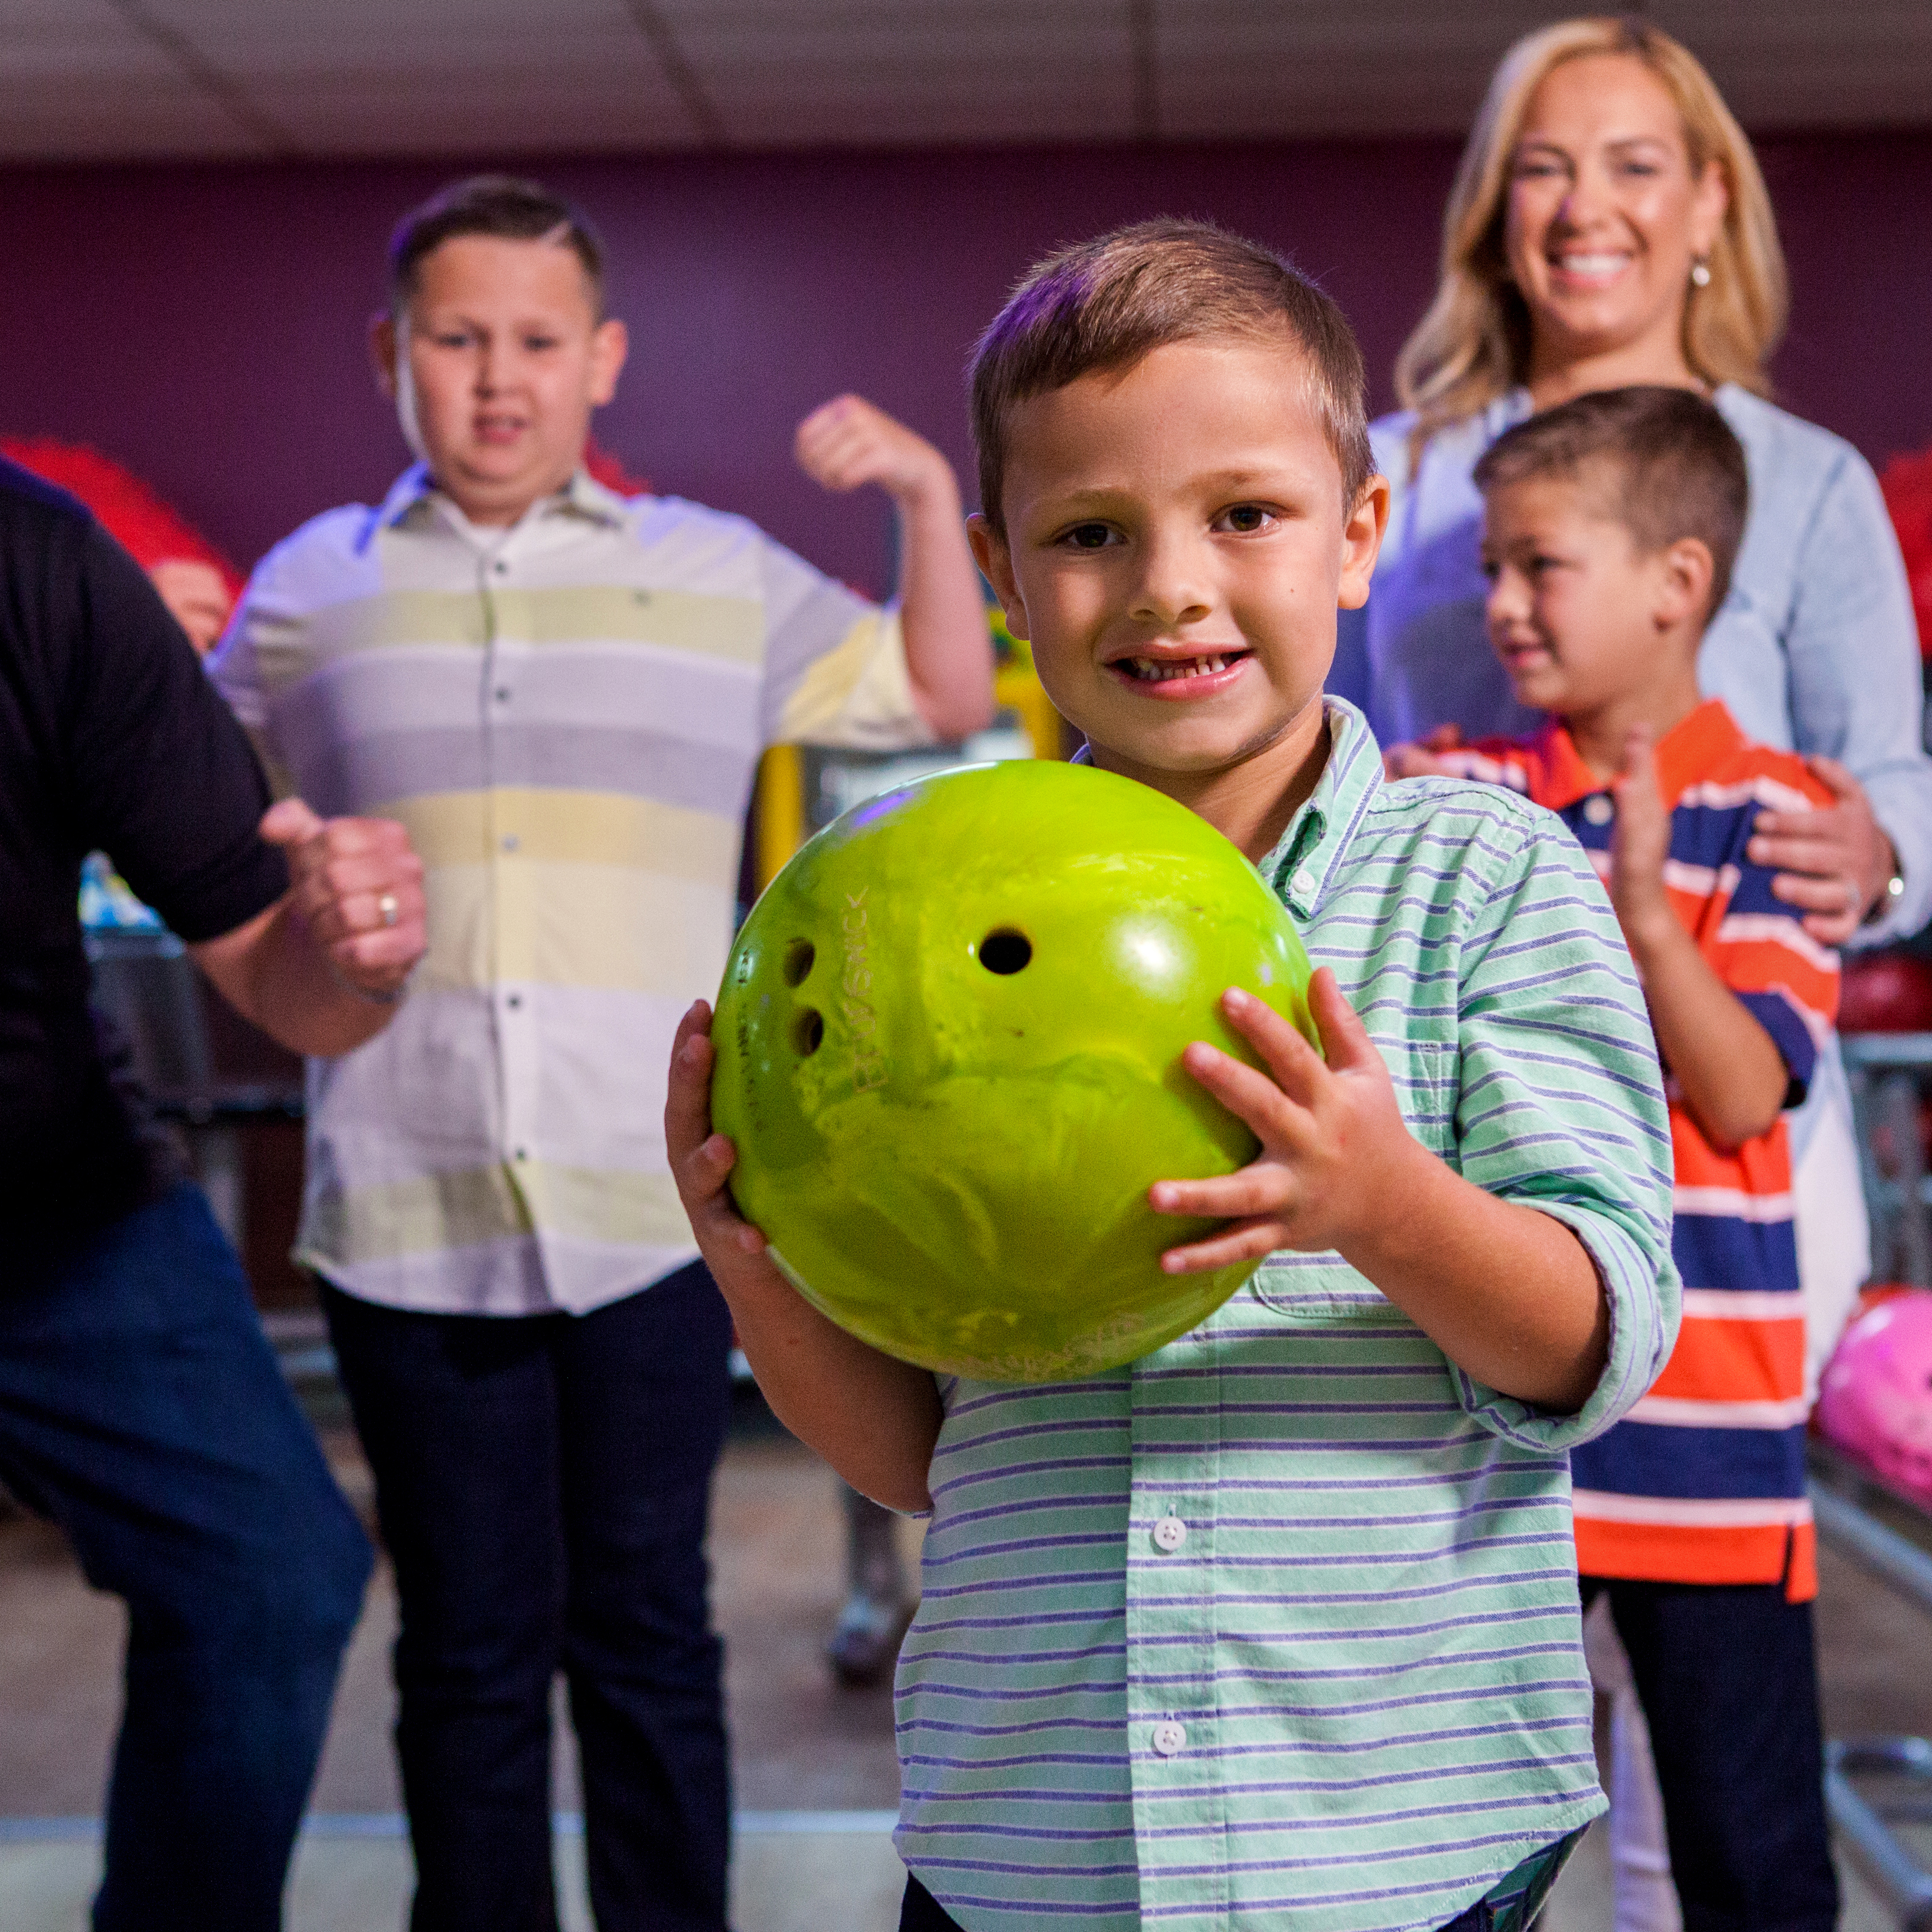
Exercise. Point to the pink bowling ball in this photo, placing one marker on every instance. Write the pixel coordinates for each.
(1876, 1399)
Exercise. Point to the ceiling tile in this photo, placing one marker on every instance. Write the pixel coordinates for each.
(80, 77)
(77, 81)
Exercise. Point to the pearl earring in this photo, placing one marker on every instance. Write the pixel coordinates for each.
(1700, 273)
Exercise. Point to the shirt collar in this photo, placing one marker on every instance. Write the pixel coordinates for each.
(1305, 855)
(584, 496)
(1690, 748)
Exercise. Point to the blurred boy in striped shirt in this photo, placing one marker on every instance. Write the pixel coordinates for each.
(1611, 524)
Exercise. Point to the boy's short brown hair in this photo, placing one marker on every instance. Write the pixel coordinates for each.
(1103, 304)
(502, 205)
(1661, 462)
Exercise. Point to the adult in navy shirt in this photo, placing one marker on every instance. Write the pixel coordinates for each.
(141, 1408)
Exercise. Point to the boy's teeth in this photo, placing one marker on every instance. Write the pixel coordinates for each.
(1154, 671)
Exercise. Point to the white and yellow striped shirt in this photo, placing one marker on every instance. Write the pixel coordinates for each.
(566, 715)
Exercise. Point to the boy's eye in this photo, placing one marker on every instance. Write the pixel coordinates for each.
(1245, 518)
(539, 342)
(1087, 536)
(1491, 569)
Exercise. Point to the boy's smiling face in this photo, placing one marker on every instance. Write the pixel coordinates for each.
(1176, 547)
(1583, 619)
(496, 367)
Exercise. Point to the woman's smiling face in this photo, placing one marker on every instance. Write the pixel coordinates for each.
(1605, 214)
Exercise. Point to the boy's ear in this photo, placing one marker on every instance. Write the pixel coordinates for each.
(1687, 570)
(383, 352)
(1362, 542)
(990, 552)
(609, 346)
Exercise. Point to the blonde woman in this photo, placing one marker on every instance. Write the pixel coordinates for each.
(1608, 225)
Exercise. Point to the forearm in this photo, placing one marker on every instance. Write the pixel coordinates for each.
(274, 974)
(1509, 1295)
(873, 1419)
(942, 610)
(1731, 1076)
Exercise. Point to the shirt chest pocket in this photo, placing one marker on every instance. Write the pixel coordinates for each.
(1427, 1086)
(1323, 1288)
(1318, 1289)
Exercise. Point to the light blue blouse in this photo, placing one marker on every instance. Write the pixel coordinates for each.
(1815, 648)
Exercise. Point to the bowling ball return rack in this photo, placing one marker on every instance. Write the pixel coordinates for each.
(1874, 1785)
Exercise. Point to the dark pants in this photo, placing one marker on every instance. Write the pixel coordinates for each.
(142, 1409)
(1728, 1684)
(543, 1483)
(920, 1912)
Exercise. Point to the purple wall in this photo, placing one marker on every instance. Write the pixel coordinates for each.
(205, 324)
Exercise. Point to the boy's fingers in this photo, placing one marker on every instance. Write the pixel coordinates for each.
(1289, 1057)
(1263, 1187)
(1247, 1241)
(1345, 1043)
(688, 1089)
(697, 1019)
(1247, 1093)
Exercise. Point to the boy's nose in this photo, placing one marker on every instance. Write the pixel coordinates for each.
(1174, 586)
(1507, 600)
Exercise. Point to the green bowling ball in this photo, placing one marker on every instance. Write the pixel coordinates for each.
(948, 1046)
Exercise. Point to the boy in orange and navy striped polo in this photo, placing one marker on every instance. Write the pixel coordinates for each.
(1612, 523)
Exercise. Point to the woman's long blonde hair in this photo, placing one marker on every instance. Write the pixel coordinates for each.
(1473, 344)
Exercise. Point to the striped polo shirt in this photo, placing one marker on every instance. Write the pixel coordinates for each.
(1705, 1482)
(1282, 1619)
(566, 715)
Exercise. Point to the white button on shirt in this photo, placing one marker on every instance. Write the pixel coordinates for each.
(1170, 1533)
(1169, 1737)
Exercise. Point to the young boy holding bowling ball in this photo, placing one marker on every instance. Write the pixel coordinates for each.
(1611, 526)
(1277, 1625)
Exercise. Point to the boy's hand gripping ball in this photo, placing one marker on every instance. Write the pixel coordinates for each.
(948, 1052)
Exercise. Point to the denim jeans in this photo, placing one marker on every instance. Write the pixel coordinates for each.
(543, 1483)
(142, 1410)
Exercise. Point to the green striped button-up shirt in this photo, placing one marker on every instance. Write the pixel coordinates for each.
(1279, 1625)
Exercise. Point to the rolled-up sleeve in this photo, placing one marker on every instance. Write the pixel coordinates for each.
(1561, 1108)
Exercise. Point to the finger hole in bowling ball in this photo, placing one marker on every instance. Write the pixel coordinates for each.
(808, 1029)
(800, 955)
(1005, 951)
